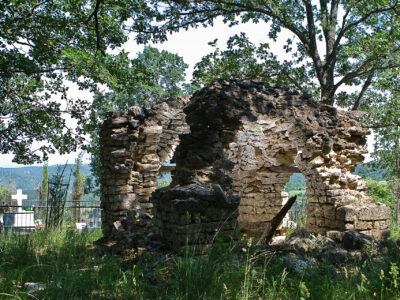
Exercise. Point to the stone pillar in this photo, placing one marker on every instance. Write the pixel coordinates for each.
(133, 147)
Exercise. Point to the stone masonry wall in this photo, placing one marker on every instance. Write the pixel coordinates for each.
(249, 137)
(191, 215)
(134, 145)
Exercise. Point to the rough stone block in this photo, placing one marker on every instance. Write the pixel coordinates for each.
(335, 235)
(120, 153)
(373, 212)
(363, 225)
(346, 213)
(377, 234)
(349, 226)
(247, 209)
(381, 225)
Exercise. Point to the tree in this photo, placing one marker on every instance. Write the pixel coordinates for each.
(5, 195)
(166, 80)
(245, 60)
(384, 117)
(380, 192)
(78, 188)
(334, 42)
(44, 190)
(45, 184)
(166, 76)
(43, 46)
(5, 199)
(9, 189)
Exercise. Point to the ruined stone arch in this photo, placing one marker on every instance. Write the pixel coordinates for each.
(133, 147)
(245, 140)
(268, 151)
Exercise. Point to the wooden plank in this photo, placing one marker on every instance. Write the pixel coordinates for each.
(273, 225)
(164, 169)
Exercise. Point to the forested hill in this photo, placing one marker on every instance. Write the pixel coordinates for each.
(28, 178)
(367, 170)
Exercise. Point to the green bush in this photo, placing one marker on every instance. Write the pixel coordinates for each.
(380, 192)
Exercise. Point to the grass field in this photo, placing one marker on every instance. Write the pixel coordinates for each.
(66, 266)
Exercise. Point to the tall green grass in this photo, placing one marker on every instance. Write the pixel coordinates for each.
(68, 266)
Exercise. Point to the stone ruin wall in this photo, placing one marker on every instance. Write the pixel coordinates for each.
(134, 146)
(265, 157)
(246, 139)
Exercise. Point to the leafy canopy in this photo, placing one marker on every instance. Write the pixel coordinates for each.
(43, 46)
(333, 43)
(245, 60)
(383, 117)
(380, 192)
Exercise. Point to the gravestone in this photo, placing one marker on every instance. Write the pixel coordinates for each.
(19, 218)
(80, 226)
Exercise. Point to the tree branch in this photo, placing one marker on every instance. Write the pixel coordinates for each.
(294, 82)
(94, 12)
(96, 26)
(269, 231)
(366, 85)
(359, 72)
(358, 22)
(33, 10)
(329, 29)
(361, 69)
(312, 49)
(179, 26)
(376, 126)
(243, 8)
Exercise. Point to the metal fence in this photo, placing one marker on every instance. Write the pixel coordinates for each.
(77, 214)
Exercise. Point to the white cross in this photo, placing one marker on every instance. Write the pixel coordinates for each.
(19, 197)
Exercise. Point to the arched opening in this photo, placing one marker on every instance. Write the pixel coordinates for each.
(265, 155)
(164, 177)
(296, 186)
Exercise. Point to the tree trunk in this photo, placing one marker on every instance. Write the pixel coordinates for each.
(398, 191)
(327, 90)
(397, 203)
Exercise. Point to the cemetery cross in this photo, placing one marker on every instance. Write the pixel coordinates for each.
(19, 197)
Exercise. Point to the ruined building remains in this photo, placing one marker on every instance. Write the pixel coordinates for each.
(237, 143)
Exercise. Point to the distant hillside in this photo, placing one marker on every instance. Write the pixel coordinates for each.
(367, 170)
(29, 178)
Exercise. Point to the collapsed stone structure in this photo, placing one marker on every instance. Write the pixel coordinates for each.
(134, 146)
(245, 140)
